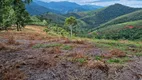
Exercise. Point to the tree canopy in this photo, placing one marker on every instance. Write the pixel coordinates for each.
(13, 12)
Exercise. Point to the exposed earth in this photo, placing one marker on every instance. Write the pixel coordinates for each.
(34, 55)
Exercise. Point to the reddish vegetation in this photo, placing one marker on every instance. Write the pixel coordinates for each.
(74, 41)
(130, 27)
(44, 62)
(114, 53)
(97, 64)
(55, 50)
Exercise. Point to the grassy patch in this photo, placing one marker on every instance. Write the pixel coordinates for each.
(66, 47)
(138, 54)
(81, 60)
(47, 45)
(123, 45)
(98, 58)
(118, 60)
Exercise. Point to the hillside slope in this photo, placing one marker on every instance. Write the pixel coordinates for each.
(129, 30)
(96, 18)
(137, 15)
(52, 17)
(35, 9)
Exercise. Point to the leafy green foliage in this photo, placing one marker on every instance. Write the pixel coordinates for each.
(129, 30)
(13, 12)
(71, 21)
(55, 30)
(7, 14)
(34, 20)
(22, 16)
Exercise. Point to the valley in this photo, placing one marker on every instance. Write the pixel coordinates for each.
(69, 40)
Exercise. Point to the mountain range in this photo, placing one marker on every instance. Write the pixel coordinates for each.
(95, 19)
(63, 7)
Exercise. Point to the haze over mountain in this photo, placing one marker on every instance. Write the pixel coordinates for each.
(62, 7)
(89, 17)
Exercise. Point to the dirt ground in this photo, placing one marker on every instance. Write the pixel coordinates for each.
(20, 60)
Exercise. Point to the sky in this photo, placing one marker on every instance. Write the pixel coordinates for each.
(132, 3)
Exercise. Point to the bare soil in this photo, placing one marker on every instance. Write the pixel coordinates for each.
(20, 61)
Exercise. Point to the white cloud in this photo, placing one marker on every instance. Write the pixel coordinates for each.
(132, 3)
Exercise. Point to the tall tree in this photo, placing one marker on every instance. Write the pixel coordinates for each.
(6, 14)
(70, 22)
(22, 16)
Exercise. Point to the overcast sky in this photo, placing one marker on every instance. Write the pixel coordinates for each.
(132, 3)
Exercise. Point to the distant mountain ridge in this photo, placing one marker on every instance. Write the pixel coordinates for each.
(103, 15)
(64, 7)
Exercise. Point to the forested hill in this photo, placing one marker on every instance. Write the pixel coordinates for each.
(105, 14)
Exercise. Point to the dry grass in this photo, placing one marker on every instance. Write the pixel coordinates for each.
(2, 46)
(12, 41)
(45, 62)
(97, 65)
(31, 44)
(54, 50)
(13, 73)
(78, 54)
(114, 53)
(8, 47)
(74, 41)
(79, 42)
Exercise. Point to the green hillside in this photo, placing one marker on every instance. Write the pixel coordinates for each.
(129, 30)
(137, 15)
(53, 18)
(96, 18)
(35, 9)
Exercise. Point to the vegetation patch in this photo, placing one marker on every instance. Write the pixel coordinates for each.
(138, 54)
(47, 45)
(98, 58)
(67, 47)
(118, 60)
(81, 60)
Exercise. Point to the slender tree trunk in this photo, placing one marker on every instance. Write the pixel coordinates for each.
(6, 28)
(71, 31)
(17, 27)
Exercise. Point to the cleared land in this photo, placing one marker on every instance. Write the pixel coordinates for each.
(34, 55)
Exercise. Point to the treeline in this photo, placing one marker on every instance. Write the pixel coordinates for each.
(12, 12)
